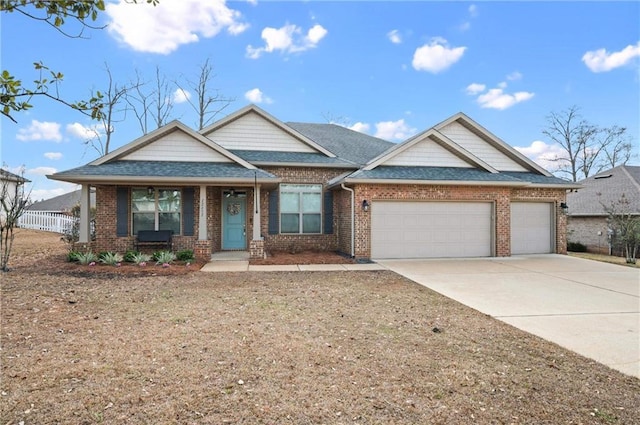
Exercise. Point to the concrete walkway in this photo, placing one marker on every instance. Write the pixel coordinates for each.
(589, 307)
(243, 266)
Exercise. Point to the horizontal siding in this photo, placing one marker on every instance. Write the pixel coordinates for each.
(427, 153)
(252, 132)
(480, 148)
(177, 146)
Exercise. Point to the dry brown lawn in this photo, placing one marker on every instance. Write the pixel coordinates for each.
(275, 348)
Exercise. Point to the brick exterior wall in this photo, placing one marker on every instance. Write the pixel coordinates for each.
(585, 231)
(292, 242)
(500, 196)
(340, 240)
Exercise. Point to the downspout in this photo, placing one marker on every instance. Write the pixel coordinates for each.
(353, 219)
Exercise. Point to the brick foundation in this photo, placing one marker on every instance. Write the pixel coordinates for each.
(256, 249)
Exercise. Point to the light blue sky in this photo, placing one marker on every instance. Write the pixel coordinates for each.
(389, 69)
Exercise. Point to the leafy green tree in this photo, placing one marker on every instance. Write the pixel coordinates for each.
(16, 96)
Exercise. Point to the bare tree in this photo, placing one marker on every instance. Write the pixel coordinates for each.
(114, 110)
(587, 148)
(139, 103)
(209, 102)
(13, 203)
(151, 106)
(619, 149)
(624, 223)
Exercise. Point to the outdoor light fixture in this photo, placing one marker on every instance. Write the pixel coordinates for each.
(231, 193)
(150, 190)
(564, 207)
(365, 205)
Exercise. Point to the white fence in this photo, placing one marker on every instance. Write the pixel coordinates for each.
(51, 221)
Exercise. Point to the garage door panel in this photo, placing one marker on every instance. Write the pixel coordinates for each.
(531, 228)
(431, 229)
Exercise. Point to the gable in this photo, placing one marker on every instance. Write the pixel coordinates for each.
(427, 153)
(480, 147)
(252, 132)
(175, 146)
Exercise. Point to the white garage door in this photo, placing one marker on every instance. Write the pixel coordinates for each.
(431, 229)
(531, 228)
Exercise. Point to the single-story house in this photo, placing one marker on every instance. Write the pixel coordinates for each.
(62, 203)
(11, 186)
(252, 182)
(587, 218)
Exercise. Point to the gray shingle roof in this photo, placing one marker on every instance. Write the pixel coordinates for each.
(536, 178)
(353, 146)
(9, 176)
(454, 174)
(166, 169)
(432, 173)
(605, 188)
(63, 202)
(290, 157)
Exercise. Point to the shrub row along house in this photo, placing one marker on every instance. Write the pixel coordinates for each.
(251, 182)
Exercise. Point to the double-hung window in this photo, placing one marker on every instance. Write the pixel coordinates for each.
(156, 209)
(300, 208)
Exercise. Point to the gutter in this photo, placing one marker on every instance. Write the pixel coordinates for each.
(353, 219)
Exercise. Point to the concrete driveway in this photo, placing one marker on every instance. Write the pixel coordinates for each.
(589, 307)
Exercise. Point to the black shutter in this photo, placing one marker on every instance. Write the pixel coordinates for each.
(188, 208)
(328, 212)
(122, 211)
(274, 220)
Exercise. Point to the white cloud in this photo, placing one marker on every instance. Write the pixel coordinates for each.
(53, 155)
(257, 96)
(83, 132)
(181, 96)
(602, 61)
(171, 23)
(361, 127)
(498, 99)
(41, 171)
(394, 36)
(287, 39)
(514, 76)
(394, 130)
(42, 194)
(543, 154)
(40, 130)
(436, 56)
(473, 10)
(475, 88)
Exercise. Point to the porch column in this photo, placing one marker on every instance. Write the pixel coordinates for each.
(256, 213)
(202, 218)
(85, 221)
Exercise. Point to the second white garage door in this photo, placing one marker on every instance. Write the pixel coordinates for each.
(431, 229)
(531, 228)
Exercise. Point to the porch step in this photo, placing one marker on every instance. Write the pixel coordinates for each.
(230, 256)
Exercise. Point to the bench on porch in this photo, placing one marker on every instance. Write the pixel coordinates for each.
(153, 238)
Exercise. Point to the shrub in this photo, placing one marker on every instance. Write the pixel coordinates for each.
(164, 257)
(130, 256)
(140, 259)
(576, 247)
(72, 256)
(185, 255)
(110, 258)
(85, 258)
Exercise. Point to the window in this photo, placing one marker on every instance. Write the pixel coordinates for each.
(300, 208)
(156, 209)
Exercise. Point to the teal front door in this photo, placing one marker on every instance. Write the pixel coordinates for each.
(234, 223)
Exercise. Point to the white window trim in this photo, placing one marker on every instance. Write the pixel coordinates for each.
(300, 213)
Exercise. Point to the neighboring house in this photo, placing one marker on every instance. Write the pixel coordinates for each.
(62, 203)
(587, 223)
(251, 182)
(10, 186)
